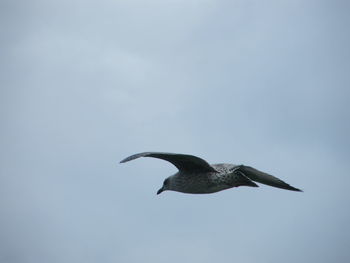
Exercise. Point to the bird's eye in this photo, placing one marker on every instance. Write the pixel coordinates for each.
(166, 181)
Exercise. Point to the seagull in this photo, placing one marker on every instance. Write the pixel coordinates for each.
(196, 176)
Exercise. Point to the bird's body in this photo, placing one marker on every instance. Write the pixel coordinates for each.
(196, 176)
(208, 182)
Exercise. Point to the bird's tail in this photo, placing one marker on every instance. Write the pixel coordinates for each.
(244, 180)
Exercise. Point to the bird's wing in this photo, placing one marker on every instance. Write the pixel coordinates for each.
(183, 162)
(265, 178)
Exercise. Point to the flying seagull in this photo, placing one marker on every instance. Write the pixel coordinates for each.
(196, 176)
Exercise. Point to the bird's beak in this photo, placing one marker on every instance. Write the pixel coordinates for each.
(160, 190)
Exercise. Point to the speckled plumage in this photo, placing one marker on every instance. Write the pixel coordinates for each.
(196, 176)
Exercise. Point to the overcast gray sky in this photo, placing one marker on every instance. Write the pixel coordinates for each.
(86, 83)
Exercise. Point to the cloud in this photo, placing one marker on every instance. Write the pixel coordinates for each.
(85, 84)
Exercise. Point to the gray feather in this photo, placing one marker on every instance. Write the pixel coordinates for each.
(183, 162)
(265, 178)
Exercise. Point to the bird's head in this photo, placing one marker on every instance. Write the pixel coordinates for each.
(166, 185)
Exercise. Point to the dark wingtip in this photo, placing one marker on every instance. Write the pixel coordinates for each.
(123, 161)
(134, 156)
(295, 189)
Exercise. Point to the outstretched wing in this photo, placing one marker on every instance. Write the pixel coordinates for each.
(183, 162)
(265, 178)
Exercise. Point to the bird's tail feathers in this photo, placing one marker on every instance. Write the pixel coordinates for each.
(245, 181)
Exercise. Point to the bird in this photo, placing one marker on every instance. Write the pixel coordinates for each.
(196, 176)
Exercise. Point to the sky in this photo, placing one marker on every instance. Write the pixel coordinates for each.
(85, 84)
